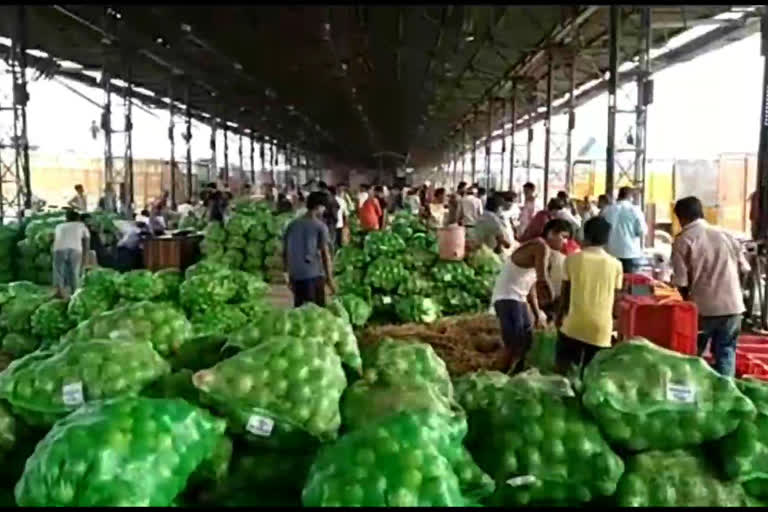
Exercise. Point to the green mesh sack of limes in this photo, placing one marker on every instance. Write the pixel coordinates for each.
(532, 436)
(283, 392)
(676, 478)
(47, 385)
(744, 452)
(309, 320)
(647, 397)
(132, 451)
(409, 459)
(399, 376)
(162, 324)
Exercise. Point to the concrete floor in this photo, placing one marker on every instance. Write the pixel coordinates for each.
(280, 296)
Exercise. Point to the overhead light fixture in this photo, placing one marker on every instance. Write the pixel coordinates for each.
(186, 28)
(469, 38)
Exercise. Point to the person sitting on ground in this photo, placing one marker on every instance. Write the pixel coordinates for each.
(590, 292)
(524, 282)
(71, 243)
(307, 255)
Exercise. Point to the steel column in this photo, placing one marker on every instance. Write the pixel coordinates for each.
(569, 179)
(240, 155)
(225, 172)
(548, 125)
(453, 163)
(128, 164)
(513, 120)
(262, 160)
(172, 141)
(106, 125)
(641, 112)
(528, 152)
(188, 140)
(613, 72)
(253, 163)
(502, 158)
(463, 149)
(488, 145)
(762, 151)
(214, 164)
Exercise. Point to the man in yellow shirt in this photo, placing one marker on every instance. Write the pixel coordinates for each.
(593, 280)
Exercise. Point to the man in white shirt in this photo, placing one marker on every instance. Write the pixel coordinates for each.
(627, 230)
(529, 206)
(79, 201)
(70, 248)
(341, 215)
(470, 208)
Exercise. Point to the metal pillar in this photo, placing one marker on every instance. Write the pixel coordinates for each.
(454, 156)
(502, 159)
(225, 172)
(644, 91)
(240, 156)
(762, 151)
(513, 120)
(128, 132)
(569, 178)
(15, 189)
(188, 140)
(253, 165)
(528, 152)
(106, 125)
(262, 161)
(214, 165)
(548, 126)
(488, 145)
(613, 71)
(463, 149)
(172, 141)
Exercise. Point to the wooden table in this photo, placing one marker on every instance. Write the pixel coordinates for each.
(170, 251)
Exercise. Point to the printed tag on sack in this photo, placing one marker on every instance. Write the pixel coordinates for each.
(386, 299)
(260, 425)
(681, 393)
(72, 394)
(519, 481)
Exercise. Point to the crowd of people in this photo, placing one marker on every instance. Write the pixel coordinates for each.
(563, 262)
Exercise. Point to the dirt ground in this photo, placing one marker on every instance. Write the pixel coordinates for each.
(280, 296)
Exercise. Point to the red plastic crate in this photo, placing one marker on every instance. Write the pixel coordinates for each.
(637, 279)
(673, 325)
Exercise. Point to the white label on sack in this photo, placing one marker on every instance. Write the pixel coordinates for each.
(522, 480)
(386, 300)
(72, 394)
(260, 425)
(681, 393)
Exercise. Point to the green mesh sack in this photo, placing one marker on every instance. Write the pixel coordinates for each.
(124, 452)
(646, 397)
(139, 285)
(386, 273)
(205, 267)
(249, 287)
(104, 279)
(337, 308)
(171, 279)
(88, 302)
(211, 249)
(543, 351)
(238, 225)
(7, 430)
(233, 258)
(18, 344)
(200, 292)
(744, 452)
(236, 242)
(161, 324)
(16, 315)
(218, 318)
(50, 321)
(416, 309)
(358, 310)
(410, 459)
(215, 231)
(365, 403)
(478, 390)
(255, 309)
(279, 392)
(533, 437)
(677, 478)
(485, 261)
(309, 320)
(53, 384)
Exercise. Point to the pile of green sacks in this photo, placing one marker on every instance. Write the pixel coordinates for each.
(397, 271)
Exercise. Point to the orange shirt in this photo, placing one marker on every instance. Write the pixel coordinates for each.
(370, 213)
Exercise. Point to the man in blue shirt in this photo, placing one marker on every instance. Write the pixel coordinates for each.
(306, 253)
(627, 230)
